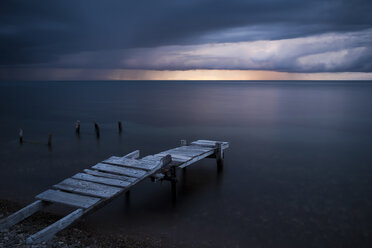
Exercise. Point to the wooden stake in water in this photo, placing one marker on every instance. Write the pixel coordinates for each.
(96, 127)
(120, 126)
(50, 140)
(21, 136)
(219, 155)
(77, 127)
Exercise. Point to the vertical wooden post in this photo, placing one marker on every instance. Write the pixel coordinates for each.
(219, 155)
(21, 136)
(184, 143)
(50, 140)
(77, 127)
(96, 128)
(127, 197)
(120, 127)
(173, 182)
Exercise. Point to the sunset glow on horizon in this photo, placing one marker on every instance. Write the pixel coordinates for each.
(58, 74)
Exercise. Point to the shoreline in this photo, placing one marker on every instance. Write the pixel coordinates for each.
(77, 235)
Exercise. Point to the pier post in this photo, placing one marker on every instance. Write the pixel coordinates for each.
(173, 182)
(219, 155)
(96, 128)
(120, 127)
(50, 140)
(184, 143)
(77, 127)
(21, 136)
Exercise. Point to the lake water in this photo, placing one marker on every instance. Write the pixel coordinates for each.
(298, 172)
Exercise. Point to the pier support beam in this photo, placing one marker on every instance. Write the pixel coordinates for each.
(120, 127)
(49, 232)
(77, 127)
(183, 143)
(50, 140)
(96, 128)
(22, 214)
(21, 136)
(219, 156)
(173, 182)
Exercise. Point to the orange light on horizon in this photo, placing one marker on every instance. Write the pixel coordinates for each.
(233, 75)
(54, 74)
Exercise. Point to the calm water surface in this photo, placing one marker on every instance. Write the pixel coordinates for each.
(298, 172)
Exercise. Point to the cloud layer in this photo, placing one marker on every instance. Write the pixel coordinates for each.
(287, 35)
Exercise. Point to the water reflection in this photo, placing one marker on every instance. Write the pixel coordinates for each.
(297, 173)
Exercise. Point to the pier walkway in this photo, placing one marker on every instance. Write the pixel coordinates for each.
(93, 188)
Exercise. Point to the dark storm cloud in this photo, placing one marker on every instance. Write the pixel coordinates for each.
(45, 32)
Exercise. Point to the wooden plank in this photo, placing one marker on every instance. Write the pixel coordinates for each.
(119, 170)
(197, 158)
(151, 158)
(186, 153)
(130, 163)
(87, 188)
(102, 180)
(70, 199)
(134, 154)
(178, 156)
(49, 232)
(193, 148)
(210, 143)
(109, 175)
(22, 214)
(174, 158)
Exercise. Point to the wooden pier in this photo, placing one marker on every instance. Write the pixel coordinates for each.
(95, 187)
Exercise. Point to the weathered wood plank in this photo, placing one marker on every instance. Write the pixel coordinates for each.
(177, 155)
(70, 199)
(130, 163)
(134, 154)
(186, 153)
(193, 149)
(87, 188)
(151, 158)
(197, 158)
(109, 175)
(210, 143)
(102, 180)
(50, 231)
(119, 170)
(174, 158)
(22, 214)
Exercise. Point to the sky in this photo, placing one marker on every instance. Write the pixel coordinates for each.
(186, 40)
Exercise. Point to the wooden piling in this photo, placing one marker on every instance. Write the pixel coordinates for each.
(77, 127)
(21, 136)
(219, 155)
(120, 126)
(50, 140)
(173, 182)
(96, 128)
